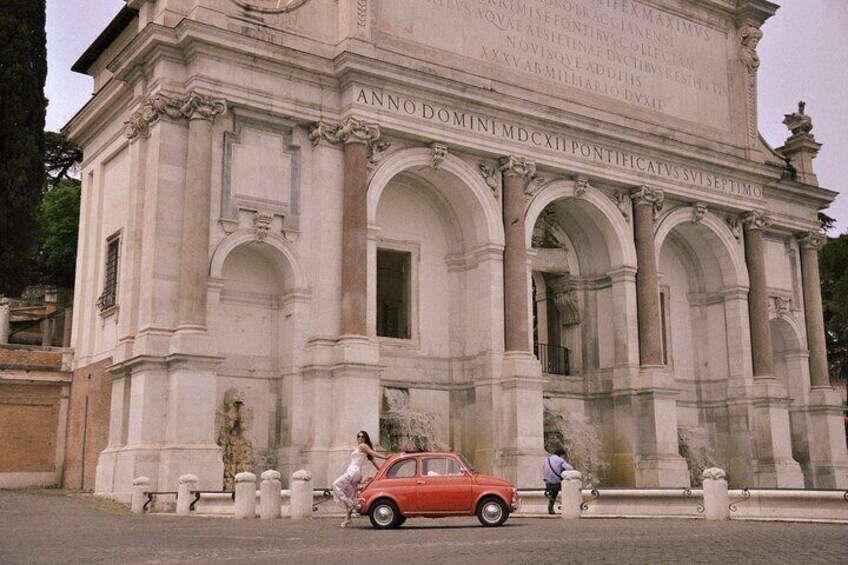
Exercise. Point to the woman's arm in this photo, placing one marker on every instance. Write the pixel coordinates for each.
(368, 451)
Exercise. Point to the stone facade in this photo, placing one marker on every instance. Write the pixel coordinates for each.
(88, 424)
(583, 175)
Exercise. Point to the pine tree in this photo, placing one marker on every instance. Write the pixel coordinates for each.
(23, 71)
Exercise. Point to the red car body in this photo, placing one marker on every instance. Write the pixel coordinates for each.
(433, 485)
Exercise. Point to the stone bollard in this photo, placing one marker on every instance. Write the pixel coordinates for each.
(245, 495)
(572, 495)
(188, 483)
(300, 505)
(270, 498)
(5, 313)
(716, 499)
(140, 486)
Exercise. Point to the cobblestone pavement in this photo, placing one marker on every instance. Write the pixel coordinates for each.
(62, 527)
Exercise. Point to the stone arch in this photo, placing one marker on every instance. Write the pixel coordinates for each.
(787, 333)
(728, 253)
(285, 258)
(598, 210)
(479, 196)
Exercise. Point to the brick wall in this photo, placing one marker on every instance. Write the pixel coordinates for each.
(88, 424)
(29, 422)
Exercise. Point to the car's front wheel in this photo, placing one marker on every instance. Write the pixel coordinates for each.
(492, 511)
(384, 515)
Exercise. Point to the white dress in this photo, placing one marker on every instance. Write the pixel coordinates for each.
(344, 488)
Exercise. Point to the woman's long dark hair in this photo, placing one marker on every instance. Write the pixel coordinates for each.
(367, 439)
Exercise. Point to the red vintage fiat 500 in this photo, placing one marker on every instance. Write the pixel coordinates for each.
(433, 485)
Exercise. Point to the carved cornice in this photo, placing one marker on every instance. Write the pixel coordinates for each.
(811, 240)
(191, 106)
(271, 6)
(755, 221)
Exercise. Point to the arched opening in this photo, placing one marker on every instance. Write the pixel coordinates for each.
(701, 280)
(252, 321)
(435, 257)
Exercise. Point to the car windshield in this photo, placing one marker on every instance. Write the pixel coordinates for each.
(467, 465)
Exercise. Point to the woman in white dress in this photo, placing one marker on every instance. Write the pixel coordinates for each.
(344, 488)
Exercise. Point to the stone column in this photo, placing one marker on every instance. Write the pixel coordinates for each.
(716, 500)
(270, 498)
(4, 320)
(188, 483)
(245, 506)
(810, 244)
(517, 172)
(359, 138)
(300, 503)
(758, 315)
(140, 486)
(572, 495)
(201, 112)
(646, 202)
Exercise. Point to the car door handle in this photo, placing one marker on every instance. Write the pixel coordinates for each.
(420, 482)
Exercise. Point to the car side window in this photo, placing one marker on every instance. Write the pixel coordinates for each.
(402, 470)
(437, 466)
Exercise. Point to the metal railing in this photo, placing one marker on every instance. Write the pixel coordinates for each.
(554, 359)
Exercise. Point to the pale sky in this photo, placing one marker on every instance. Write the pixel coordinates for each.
(802, 56)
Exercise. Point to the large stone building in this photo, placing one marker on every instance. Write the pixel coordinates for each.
(292, 208)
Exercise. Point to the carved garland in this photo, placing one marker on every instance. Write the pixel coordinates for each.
(749, 37)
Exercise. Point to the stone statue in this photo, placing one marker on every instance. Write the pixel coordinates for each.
(231, 423)
(749, 37)
(798, 122)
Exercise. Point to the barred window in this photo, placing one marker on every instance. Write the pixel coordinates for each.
(110, 282)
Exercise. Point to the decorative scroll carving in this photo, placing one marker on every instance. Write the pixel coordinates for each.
(755, 220)
(262, 225)
(376, 151)
(749, 37)
(799, 122)
(361, 15)
(622, 202)
(699, 210)
(192, 106)
(440, 151)
(811, 240)
(581, 185)
(647, 196)
(533, 186)
(352, 130)
(568, 306)
(735, 226)
(490, 175)
(548, 232)
(782, 307)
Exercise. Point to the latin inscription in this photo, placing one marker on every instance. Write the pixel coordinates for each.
(620, 49)
(554, 143)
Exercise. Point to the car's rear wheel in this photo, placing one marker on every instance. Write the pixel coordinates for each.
(384, 515)
(492, 511)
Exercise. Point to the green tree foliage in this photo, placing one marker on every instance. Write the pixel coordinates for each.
(23, 71)
(59, 212)
(833, 265)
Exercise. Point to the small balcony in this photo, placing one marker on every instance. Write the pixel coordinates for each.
(554, 359)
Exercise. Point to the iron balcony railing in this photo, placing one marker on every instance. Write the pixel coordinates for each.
(554, 359)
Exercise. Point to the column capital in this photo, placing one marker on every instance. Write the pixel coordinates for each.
(814, 240)
(351, 130)
(646, 196)
(755, 220)
(513, 166)
(191, 106)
